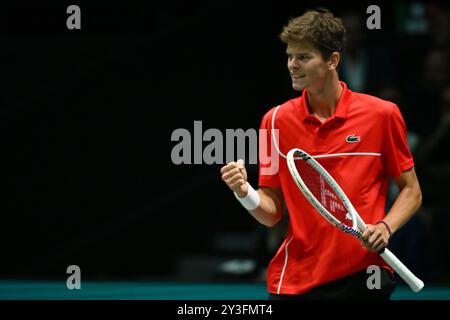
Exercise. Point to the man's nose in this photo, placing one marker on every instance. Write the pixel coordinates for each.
(293, 64)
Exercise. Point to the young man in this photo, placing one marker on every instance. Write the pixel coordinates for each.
(364, 139)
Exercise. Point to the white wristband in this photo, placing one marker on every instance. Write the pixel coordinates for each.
(251, 201)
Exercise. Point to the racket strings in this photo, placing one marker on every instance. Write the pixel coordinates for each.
(323, 192)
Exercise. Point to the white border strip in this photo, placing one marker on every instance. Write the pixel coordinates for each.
(347, 154)
(285, 265)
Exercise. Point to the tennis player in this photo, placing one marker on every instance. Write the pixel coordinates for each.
(362, 141)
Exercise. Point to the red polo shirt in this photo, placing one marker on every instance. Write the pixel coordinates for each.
(362, 145)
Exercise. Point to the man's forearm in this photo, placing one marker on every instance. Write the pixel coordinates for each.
(408, 201)
(269, 211)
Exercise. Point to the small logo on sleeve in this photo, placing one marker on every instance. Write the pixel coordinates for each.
(353, 139)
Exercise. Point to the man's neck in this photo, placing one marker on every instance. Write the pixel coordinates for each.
(323, 102)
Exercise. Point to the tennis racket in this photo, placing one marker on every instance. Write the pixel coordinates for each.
(325, 195)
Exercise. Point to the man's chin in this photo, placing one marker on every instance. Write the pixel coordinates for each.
(297, 87)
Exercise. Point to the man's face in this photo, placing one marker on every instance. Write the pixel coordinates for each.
(306, 66)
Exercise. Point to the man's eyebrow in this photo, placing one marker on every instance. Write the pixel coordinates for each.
(297, 53)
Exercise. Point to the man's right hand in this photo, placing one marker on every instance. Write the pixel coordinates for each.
(235, 177)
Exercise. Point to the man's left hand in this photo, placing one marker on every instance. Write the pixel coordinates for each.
(375, 238)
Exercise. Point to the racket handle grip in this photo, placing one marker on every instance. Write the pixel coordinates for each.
(413, 282)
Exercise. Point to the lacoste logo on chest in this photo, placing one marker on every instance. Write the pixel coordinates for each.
(353, 138)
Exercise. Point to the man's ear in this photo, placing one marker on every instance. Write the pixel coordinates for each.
(334, 60)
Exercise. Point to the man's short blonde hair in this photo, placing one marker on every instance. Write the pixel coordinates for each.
(319, 27)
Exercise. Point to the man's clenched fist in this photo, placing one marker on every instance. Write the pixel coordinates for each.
(235, 176)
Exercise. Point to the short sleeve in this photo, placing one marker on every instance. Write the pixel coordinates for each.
(269, 158)
(398, 154)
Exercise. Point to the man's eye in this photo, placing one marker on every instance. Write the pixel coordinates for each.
(300, 57)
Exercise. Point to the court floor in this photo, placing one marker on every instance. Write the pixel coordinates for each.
(143, 290)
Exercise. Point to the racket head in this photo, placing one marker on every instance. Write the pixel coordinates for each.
(322, 191)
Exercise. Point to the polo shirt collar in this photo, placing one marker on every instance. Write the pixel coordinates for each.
(341, 108)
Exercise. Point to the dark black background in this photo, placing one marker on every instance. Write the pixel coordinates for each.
(87, 117)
